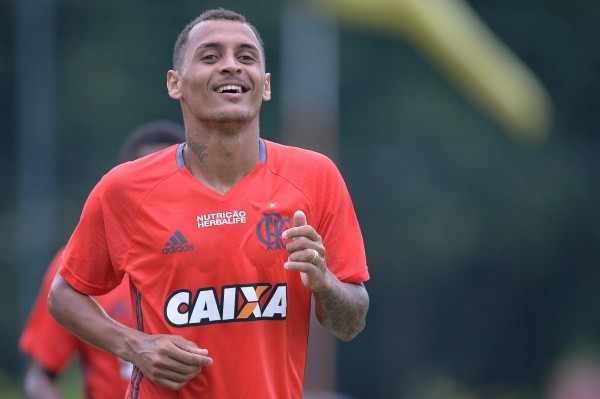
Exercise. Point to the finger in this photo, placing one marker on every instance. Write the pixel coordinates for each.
(176, 371)
(171, 373)
(189, 353)
(197, 351)
(191, 359)
(300, 229)
(190, 346)
(299, 219)
(314, 257)
(302, 267)
(308, 255)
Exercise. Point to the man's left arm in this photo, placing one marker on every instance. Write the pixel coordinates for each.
(339, 306)
(342, 309)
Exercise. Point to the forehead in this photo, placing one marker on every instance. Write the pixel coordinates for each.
(224, 32)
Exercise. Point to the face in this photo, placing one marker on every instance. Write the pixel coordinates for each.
(222, 77)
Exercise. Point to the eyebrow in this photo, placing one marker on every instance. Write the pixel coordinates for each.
(246, 46)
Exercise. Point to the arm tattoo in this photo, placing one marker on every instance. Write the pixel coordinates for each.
(342, 311)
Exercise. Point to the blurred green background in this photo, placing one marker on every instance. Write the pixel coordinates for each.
(483, 251)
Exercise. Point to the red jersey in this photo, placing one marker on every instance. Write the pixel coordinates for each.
(209, 266)
(43, 339)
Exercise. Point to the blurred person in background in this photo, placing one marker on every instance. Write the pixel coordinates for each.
(225, 239)
(49, 346)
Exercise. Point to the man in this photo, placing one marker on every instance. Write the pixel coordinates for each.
(225, 240)
(49, 346)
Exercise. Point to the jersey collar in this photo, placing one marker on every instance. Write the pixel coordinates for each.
(262, 153)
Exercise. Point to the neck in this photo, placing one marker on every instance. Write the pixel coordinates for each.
(220, 160)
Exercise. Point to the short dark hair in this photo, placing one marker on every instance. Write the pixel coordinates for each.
(210, 15)
(155, 132)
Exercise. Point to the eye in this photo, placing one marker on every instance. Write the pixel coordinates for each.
(210, 58)
(247, 58)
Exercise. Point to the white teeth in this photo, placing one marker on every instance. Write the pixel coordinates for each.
(237, 89)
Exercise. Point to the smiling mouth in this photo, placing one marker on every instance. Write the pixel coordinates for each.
(231, 89)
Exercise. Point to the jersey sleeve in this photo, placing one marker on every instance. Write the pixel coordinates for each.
(43, 339)
(339, 228)
(95, 256)
(87, 261)
(331, 210)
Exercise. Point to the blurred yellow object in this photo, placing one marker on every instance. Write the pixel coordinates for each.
(451, 34)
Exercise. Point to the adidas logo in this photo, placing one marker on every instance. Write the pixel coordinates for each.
(177, 243)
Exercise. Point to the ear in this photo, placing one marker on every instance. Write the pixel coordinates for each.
(173, 84)
(267, 88)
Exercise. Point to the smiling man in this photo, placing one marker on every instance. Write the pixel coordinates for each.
(226, 239)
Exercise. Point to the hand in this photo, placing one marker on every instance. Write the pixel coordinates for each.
(170, 360)
(304, 242)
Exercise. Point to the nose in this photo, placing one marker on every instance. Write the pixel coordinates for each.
(230, 64)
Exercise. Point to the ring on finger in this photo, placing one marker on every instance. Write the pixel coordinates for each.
(315, 257)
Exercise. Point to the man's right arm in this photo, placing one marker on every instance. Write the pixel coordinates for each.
(168, 360)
